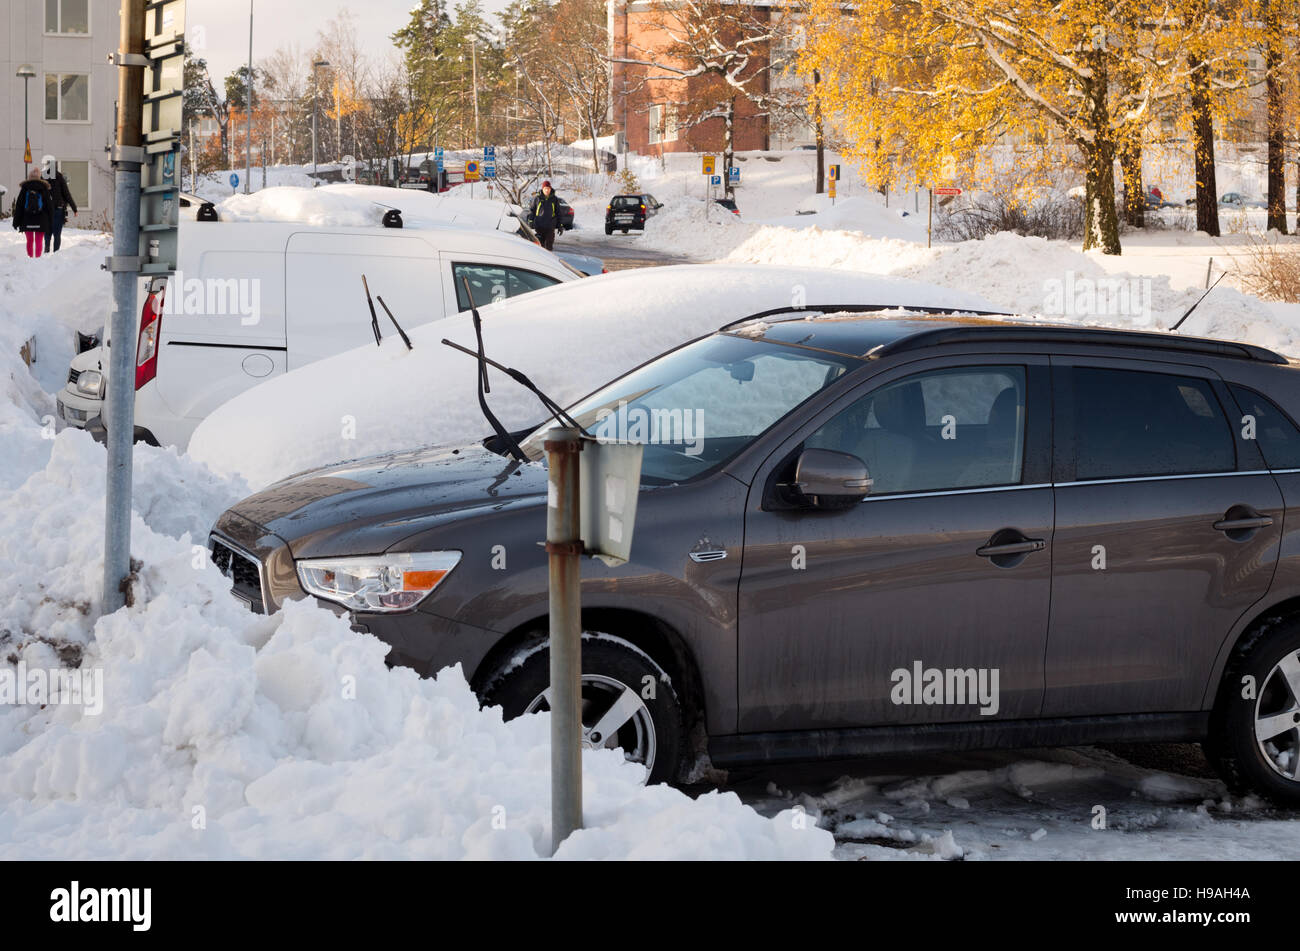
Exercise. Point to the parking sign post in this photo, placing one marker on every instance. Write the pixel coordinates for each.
(564, 557)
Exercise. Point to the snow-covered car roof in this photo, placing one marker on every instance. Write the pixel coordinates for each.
(569, 339)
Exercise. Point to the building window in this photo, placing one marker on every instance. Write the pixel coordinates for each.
(656, 124)
(67, 16)
(67, 97)
(78, 175)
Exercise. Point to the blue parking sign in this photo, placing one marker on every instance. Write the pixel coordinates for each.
(715, 180)
(733, 174)
(490, 153)
(234, 180)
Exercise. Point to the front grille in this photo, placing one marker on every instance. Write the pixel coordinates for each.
(243, 570)
(74, 376)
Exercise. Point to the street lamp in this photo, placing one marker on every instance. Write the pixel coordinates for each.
(315, 109)
(26, 74)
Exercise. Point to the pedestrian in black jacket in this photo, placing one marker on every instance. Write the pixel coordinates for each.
(33, 212)
(62, 200)
(544, 216)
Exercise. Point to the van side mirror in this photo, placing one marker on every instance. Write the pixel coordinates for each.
(831, 480)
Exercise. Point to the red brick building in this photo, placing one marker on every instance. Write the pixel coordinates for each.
(656, 112)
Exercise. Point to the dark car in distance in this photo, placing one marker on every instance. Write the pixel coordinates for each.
(628, 212)
(861, 534)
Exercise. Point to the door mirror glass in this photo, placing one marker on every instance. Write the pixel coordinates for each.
(828, 479)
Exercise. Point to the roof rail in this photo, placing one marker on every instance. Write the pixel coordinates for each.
(1015, 333)
(798, 312)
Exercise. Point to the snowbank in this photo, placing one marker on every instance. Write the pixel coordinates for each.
(373, 400)
(223, 734)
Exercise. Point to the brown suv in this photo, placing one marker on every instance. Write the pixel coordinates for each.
(861, 534)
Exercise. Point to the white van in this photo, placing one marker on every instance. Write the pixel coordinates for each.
(251, 300)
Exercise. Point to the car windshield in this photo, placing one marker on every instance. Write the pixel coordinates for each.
(698, 407)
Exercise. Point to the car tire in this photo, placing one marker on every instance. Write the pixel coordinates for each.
(612, 670)
(625, 231)
(1260, 692)
(608, 230)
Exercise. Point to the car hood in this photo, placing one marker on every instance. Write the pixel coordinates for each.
(367, 506)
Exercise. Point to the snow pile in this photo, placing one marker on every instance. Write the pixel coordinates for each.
(373, 400)
(221, 734)
(1034, 276)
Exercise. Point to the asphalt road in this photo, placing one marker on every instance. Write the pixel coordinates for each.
(620, 252)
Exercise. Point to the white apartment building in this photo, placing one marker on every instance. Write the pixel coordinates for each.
(71, 98)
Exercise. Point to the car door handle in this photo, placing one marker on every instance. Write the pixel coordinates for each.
(1242, 524)
(1011, 548)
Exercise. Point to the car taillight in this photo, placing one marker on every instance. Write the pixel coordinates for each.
(146, 349)
(643, 209)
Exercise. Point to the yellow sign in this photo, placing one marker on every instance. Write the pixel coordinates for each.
(472, 171)
(27, 156)
(709, 162)
(832, 188)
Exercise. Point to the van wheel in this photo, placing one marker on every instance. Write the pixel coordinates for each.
(608, 230)
(628, 701)
(1254, 739)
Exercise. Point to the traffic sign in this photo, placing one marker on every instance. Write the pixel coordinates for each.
(715, 180)
(831, 187)
(947, 190)
(489, 170)
(710, 162)
(835, 173)
(234, 180)
(489, 153)
(27, 156)
(472, 171)
(733, 175)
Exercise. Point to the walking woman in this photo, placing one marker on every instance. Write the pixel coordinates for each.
(33, 212)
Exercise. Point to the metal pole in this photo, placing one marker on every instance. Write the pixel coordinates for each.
(27, 135)
(930, 224)
(248, 146)
(564, 555)
(119, 410)
(314, 109)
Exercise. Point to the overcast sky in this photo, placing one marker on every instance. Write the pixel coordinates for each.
(222, 25)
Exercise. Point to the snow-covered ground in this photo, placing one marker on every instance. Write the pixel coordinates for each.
(223, 734)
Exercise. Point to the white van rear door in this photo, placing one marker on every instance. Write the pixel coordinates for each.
(326, 309)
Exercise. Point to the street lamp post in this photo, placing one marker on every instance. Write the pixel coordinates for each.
(26, 74)
(248, 145)
(315, 110)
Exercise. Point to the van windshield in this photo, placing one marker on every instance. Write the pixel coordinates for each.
(698, 407)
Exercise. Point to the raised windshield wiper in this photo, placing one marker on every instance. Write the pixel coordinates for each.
(374, 318)
(552, 407)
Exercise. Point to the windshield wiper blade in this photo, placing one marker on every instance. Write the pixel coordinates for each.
(405, 339)
(555, 409)
(483, 387)
(374, 318)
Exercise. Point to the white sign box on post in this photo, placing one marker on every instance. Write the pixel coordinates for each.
(610, 480)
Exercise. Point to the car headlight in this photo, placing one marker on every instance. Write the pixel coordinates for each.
(91, 383)
(381, 584)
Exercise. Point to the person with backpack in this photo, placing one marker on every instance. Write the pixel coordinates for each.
(544, 216)
(33, 212)
(60, 201)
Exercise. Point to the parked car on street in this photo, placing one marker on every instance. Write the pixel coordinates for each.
(1238, 200)
(729, 204)
(627, 212)
(859, 534)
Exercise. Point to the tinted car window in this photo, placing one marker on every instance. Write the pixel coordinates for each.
(1277, 436)
(490, 282)
(626, 202)
(1130, 423)
(946, 429)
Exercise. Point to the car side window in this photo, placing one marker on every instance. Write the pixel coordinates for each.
(1131, 423)
(1275, 434)
(957, 428)
(491, 282)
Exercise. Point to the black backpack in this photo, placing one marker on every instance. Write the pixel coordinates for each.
(35, 203)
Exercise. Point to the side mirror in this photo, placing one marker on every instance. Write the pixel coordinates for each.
(831, 480)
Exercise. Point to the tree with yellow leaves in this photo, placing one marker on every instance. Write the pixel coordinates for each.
(954, 84)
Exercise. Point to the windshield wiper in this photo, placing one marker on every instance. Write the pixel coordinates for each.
(483, 386)
(555, 409)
